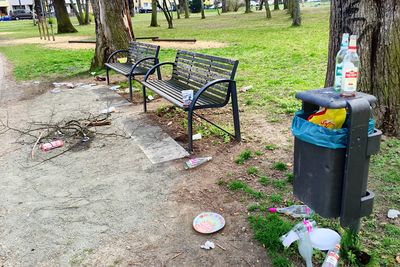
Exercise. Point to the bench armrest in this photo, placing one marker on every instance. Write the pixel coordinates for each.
(205, 87)
(116, 52)
(150, 71)
(140, 61)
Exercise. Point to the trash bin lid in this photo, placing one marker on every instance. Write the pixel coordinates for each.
(324, 238)
(329, 98)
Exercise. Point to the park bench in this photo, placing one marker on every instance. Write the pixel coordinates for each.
(212, 80)
(140, 57)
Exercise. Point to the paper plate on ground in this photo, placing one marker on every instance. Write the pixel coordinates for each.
(324, 239)
(208, 222)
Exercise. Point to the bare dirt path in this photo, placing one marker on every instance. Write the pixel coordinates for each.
(107, 205)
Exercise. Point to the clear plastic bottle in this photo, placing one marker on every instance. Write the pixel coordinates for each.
(351, 63)
(305, 248)
(332, 258)
(297, 232)
(339, 61)
(193, 163)
(296, 211)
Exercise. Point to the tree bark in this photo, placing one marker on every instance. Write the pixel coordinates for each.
(276, 4)
(154, 22)
(178, 15)
(87, 14)
(166, 12)
(247, 3)
(377, 24)
(77, 11)
(203, 16)
(296, 13)
(267, 10)
(224, 6)
(64, 24)
(113, 28)
(261, 4)
(186, 8)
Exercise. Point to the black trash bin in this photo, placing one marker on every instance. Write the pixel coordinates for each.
(331, 166)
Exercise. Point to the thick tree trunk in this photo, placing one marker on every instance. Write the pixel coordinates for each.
(63, 22)
(224, 6)
(296, 13)
(276, 4)
(113, 28)
(247, 3)
(377, 24)
(267, 10)
(153, 22)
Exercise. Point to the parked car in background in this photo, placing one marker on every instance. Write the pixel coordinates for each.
(21, 14)
(145, 10)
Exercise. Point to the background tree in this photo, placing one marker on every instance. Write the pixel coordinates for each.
(285, 4)
(167, 13)
(178, 14)
(276, 4)
(113, 28)
(195, 6)
(377, 23)
(81, 12)
(131, 7)
(296, 13)
(64, 24)
(154, 22)
(247, 5)
(186, 8)
(203, 16)
(261, 4)
(267, 10)
(224, 6)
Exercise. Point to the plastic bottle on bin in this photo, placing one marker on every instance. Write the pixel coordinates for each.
(339, 62)
(332, 258)
(351, 64)
(296, 211)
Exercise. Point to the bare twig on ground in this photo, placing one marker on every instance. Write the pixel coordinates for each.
(176, 255)
(34, 146)
(221, 247)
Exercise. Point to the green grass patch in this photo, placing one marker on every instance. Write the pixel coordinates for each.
(242, 186)
(264, 180)
(279, 184)
(276, 199)
(279, 166)
(271, 147)
(252, 170)
(243, 156)
(290, 178)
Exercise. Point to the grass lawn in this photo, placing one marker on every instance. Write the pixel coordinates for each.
(277, 60)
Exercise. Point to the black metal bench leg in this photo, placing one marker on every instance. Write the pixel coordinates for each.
(190, 131)
(130, 89)
(144, 98)
(108, 75)
(235, 111)
(159, 74)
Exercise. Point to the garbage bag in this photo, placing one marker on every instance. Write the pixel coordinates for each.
(320, 136)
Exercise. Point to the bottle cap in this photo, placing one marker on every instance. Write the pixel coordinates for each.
(272, 210)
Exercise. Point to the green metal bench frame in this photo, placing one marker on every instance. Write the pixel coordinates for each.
(210, 77)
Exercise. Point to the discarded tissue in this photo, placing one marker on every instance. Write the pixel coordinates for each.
(208, 245)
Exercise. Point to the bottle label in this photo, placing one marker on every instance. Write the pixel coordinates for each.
(332, 258)
(349, 80)
(338, 75)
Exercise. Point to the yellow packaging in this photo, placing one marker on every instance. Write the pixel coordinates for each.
(329, 118)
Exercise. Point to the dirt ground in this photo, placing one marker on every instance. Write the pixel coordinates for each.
(108, 205)
(61, 42)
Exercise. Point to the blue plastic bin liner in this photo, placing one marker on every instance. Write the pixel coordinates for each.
(320, 136)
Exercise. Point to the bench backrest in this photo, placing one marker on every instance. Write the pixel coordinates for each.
(139, 50)
(195, 70)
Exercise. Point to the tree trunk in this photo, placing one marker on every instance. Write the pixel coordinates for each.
(78, 13)
(267, 10)
(87, 14)
(63, 22)
(203, 16)
(178, 15)
(285, 4)
(247, 3)
(276, 4)
(153, 22)
(377, 24)
(113, 28)
(131, 7)
(166, 12)
(224, 6)
(296, 13)
(261, 4)
(186, 8)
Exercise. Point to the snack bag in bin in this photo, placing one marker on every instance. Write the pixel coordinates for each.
(329, 118)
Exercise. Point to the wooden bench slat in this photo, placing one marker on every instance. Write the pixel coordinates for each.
(205, 63)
